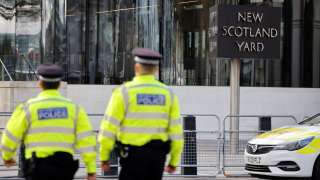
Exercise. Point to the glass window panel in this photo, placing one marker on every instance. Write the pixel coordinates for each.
(7, 39)
(76, 18)
(93, 41)
(124, 25)
(195, 44)
(316, 44)
(28, 33)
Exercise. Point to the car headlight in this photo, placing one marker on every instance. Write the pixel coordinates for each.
(293, 146)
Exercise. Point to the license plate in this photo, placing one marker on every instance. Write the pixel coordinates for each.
(253, 160)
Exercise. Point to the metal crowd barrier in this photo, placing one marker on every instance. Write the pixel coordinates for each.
(208, 151)
(201, 156)
(202, 147)
(234, 142)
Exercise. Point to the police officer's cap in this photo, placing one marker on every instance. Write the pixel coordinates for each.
(146, 56)
(50, 72)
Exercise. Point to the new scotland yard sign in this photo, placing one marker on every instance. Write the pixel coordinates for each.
(246, 31)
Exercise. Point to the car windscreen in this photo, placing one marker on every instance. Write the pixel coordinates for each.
(314, 120)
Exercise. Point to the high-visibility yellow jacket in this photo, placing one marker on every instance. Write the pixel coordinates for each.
(138, 112)
(47, 124)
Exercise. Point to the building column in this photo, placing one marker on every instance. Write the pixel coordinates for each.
(297, 41)
(53, 31)
(91, 40)
(316, 44)
(59, 36)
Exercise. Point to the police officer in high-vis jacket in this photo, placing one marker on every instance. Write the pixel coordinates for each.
(143, 122)
(52, 128)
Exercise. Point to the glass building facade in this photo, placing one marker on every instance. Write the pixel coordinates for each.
(93, 40)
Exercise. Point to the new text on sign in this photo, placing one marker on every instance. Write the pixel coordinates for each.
(250, 32)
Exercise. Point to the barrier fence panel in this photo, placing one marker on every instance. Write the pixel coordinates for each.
(201, 155)
(207, 150)
(234, 142)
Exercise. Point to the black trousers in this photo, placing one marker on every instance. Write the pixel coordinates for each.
(60, 166)
(143, 164)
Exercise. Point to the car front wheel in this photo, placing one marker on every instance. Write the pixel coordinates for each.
(316, 170)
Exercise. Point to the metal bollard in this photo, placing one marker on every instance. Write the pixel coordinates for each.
(265, 123)
(189, 157)
(113, 162)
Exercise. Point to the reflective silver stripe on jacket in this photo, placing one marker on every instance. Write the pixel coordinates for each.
(7, 149)
(142, 130)
(86, 149)
(12, 137)
(50, 144)
(176, 137)
(171, 96)
(85, 134)
(108, 134)
(125, 95)
(75, 123)
(175, 122)
(148, 85)
(49, 99)
(146, 115)
(51, 129)
(113, 120)
(28, 114)
(75, 120)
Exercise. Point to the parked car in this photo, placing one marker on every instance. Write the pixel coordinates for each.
(291, 151)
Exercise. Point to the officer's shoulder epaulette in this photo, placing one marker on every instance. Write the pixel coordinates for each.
(22, 104)
(168, 88)
(116, 88)
(126, 83)
(68, 100)
(162, 84)
(26, 102)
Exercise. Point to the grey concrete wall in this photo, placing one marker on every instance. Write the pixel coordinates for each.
(299, 102)
(92, 97)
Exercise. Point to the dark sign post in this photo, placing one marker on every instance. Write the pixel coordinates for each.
(246, 31)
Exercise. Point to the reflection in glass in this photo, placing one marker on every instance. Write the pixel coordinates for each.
(7, 38)
(53, 39)
(93, 41)
(195, 45)
(19, 38)
(122, 26)
(76, 19)
(27, 32)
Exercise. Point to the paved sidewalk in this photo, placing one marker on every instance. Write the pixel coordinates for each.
(181, 178)
(6, 173)
(240, 178)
